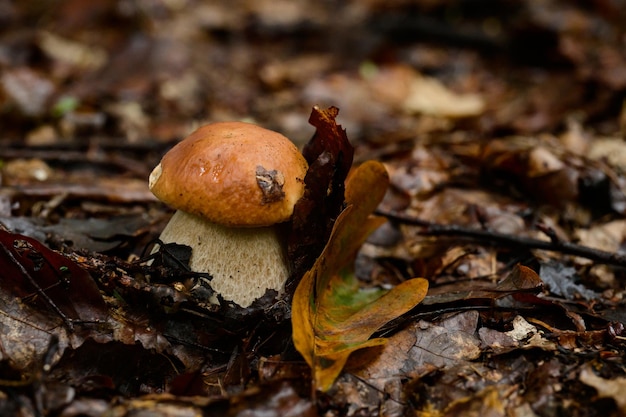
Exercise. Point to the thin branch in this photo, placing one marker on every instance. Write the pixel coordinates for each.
(495, 238)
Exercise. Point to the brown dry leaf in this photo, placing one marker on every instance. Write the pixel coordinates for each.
(607, 236)
(452, 206)
(421, 175)
(332, 317)
(401, 87)
(542, 161)
(452, 340)
(419, 348)
(611, 149)
(540, 167)
(489, 402)
(26, 335)
(428, 95)
(86, 57)
(113, 190)
(522, 279)
(607, 388)
(523, 335)
(26, 170)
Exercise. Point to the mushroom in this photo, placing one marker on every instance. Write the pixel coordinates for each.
(233, 185)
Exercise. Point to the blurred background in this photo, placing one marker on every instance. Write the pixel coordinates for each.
(152, 69)
(92, 93)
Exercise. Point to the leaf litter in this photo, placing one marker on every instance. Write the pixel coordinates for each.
(531, 176)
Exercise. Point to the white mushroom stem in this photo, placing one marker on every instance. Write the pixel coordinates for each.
(244, 262)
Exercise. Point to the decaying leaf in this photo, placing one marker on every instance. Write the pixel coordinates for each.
(521, 280)
(523, 336)
(453, 340)
(429, 96)
(607, 388)
(44, 295)
(41, 275)
(421, 347)
(331, 316)
(330, 155)
(562, 281)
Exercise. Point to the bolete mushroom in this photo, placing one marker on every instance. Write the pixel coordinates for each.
(232, 184)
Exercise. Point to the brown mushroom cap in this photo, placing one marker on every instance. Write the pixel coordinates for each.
(232, 173)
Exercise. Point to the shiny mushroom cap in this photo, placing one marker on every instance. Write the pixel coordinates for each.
(232, 173)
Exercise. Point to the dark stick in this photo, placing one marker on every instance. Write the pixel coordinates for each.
(495, 238)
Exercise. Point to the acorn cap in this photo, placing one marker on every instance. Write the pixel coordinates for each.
(232, 173)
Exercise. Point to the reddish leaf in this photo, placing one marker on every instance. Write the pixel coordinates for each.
(329, 155)
(36, 273)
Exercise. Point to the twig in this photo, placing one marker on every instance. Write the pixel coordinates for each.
(495, 238)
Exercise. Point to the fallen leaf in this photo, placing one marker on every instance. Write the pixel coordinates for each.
(41, 275)
(607, 236)
(538, 166)
(523, 335)
(331, 315)
(521, 280)
(451, 341)
(329, 155)
(428, 95)
(40, 290)
(421, 347)
(607, 388)
(488, 402)
(610, 149)
(27, 90)
(562, 280)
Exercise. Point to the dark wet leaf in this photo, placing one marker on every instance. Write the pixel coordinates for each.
(329, 155)
(188, 384)
(116, 368)
(39, 275)
(521, 280)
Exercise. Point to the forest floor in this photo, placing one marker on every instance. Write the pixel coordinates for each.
(501, 126)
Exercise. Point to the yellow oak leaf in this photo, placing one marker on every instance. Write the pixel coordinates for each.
(331, 315)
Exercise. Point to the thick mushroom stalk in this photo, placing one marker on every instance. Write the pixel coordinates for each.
(244, 262)
(233, 185)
